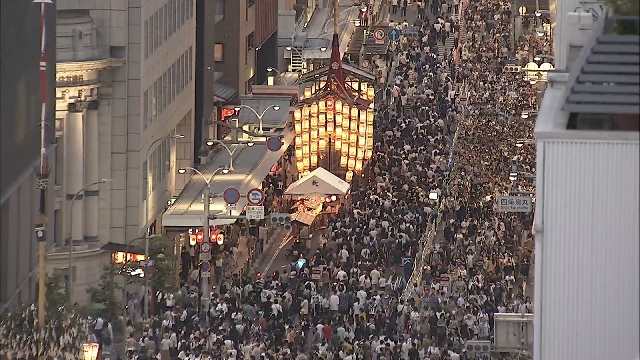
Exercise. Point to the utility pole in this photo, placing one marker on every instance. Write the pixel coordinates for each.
(204, 283)
(43, 178)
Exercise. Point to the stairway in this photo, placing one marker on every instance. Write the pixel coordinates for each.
(357, 39)
(297, 63)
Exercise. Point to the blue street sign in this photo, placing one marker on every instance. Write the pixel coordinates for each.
(231, 195)
(274, 143)
(394, 34)
(205, 266)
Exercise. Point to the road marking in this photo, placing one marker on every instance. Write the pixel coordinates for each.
(284, 243)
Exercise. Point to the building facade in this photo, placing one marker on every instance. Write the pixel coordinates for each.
(20, 144)
(244, 41)
(587, 190)
(125, 114)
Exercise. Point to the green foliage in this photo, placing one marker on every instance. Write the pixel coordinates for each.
(105, 292)
(65, 329)
(163, 273)
(625, 8)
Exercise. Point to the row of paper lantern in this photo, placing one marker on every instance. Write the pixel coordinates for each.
(365, 91)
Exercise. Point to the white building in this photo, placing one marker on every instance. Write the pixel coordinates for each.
(587, 237)
(124, 88)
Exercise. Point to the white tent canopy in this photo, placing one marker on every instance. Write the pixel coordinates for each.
(319, 181)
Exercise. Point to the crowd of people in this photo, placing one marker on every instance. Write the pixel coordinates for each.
(365, 303)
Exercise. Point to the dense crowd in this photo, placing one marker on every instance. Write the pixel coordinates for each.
(354, 309)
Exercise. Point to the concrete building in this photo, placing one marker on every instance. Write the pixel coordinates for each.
(587, 274)
(243, 42)
(124, 111)
(20, 113)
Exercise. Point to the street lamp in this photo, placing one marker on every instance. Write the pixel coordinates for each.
(146, 218)
(73, 200)
(272, 69)
(259, 116)
(204, 281)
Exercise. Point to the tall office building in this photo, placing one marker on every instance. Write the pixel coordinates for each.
(20, 112)
(245, 45)
(124, 112)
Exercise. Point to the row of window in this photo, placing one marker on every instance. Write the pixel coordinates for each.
(167, 87)
(157, 166)
(165, 22)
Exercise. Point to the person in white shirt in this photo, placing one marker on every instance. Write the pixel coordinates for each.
(334, 302)
(375, 278)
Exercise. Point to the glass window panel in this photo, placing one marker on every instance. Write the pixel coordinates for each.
(160, 26)
(155, 31)
(145, 106)
(146, 40)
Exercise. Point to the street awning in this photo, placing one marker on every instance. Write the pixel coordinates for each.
(117, 247)
(319, 181)
(223, 92)
(251, 164)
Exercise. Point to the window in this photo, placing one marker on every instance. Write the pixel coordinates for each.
(249, 85)
(158, 91)
(165, 11)
(180, 12)
(150, 36)
(182, 69)
(146, 40)
(161, 101)
(176, 15)
(185, 7)
(165, 84)
(155, 31)
(191, 6)
(161, 157)
(145, 180)
(174, 77)
(161, 38)
(145, 107)
(172, 17)
(249, 44)
(190, 63)
(220, 8)
(218, 53)
(154, 97)
(246, 11)
(170, 93)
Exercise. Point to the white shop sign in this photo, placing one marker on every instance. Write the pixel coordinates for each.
(514, 204)
(255, 212)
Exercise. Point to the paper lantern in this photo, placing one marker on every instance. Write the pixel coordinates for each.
(343, 161)
(352, 152)
(307, 93)
(371, 93)
(322, 106)
(368, 153)
(298, 127)
(322, 132)
(337, 106)
(306, 151)
(300, 166)
(345, 136)
(297, 114)
(351, 164)
(298, 153)
(348, 176)
(338, 144)
(314, 160)
(314, 147)
(314, 109)
(358, 166)
(338, 133)
(322, 145)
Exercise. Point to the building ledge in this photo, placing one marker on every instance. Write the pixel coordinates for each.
(91, 65)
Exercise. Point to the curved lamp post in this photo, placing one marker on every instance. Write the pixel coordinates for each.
(73, 200)
(204, 281)
(259, 116)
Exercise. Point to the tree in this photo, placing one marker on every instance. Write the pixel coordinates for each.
(163, 273)
(63, 335)
(625, 8)
(105, 292)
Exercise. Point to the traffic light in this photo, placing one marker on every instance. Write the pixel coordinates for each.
(282, 219)
(512, 68)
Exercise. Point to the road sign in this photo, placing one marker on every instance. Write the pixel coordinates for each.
(205, 266)
(204, 256)
(255, 212)
(255, 196)
(205, 247)
(394, 34)
(463, 101)
(379, 35)
(232, 207)
(412, 32)
(274, 144)
(365, 64)
(514, 204)
(231, 195)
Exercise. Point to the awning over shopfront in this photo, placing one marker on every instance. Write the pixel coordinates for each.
(319, 181)
(251, 165)
(223, 92)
